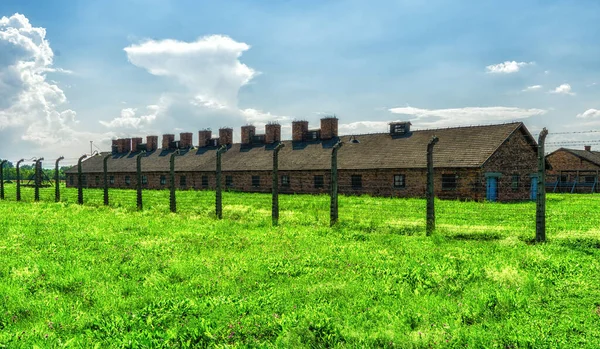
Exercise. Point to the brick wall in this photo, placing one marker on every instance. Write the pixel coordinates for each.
(564, 160)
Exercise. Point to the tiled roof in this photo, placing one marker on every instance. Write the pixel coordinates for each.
(591, 156)
(457, 147)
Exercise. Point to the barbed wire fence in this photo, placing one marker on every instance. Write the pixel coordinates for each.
(346, 204)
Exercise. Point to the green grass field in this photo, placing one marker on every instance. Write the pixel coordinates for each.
(94, 277)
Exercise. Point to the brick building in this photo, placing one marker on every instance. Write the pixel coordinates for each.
(574, 170)
(497, 162)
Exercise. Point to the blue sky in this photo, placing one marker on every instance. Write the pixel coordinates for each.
(197, 64)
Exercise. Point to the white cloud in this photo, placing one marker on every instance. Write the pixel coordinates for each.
(564, 89)
(532, 88)
(507, 67)
(465, 116)
(589, 114)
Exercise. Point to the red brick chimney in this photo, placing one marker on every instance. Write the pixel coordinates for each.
(185, 140)
(299, 129)
(203, 137)
(166, 141)
(151, 143)
(272, 133)
(588, 148)
(135, 143)
(225, 136)
(115, 146)
(126, 145)
(248, 132)
(329, 127)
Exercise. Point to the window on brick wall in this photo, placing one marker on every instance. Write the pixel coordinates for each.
(514, 184)
(204, 181)
(144, 180)
(285, 181)
(449, 181)
(256, 181)
(111, 179)
(228, 181)
(127, 180)
(163, 180)
(589, 179)
(564, 178)
(71, 179)
(356, 181)
(182, 181)
(97, 179)
(319, 182)
(399, 181)
(83, 180)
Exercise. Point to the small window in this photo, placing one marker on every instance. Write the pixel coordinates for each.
(515, 182)
(127, 180)
(111, 179)
(356, 181)
(256, 181)
(285, 181)
(228, 181)
(97, 179)
(71, 180)
(144, 180)
(204, 181)
(319, 182)
(399, 181)
(449, 182)
(564, 178)
(589, 179)
(182, 181)
(83, 180)
(163, 180)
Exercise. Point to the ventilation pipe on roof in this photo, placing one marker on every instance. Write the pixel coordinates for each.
(588, 148)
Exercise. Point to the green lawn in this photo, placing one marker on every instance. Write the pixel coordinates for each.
(95, 276)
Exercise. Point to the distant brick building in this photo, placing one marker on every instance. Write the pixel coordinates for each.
(494, 162)
(574, 170)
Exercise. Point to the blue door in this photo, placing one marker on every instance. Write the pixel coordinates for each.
(533, 194)
(492, 189)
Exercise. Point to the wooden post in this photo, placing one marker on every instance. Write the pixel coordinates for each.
(57, 180)
(218, 194)
(333, 203)
(37, 178)
(138, 159)
(540, 220)
(19, 179)
(105, 175)
(172, 198)
(79, 184)
(275, 190)
(430, 187)
(2, 179)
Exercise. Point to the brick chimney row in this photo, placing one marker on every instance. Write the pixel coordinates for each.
(203, 137)
(151, 143)
(225, 136)
(272, 133)
(248, 132)
(299, 129)
(588, 148)
(166, 141)
(329, 127)
(185, 140)
(135, 143)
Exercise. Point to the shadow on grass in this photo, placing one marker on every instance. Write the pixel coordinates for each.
(476, 237)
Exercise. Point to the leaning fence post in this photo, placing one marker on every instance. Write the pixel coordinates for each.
(57, 180)
(79, 184)
(275, 200)
(218, 194)
(19, 179)
(105, 170)
(333, 205)
(430, 187)
(37, 179)
(139, 179)
(540, 220)
(172, 199)
(2, 179)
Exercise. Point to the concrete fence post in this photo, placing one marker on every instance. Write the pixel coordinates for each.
(540, 216)
(37, 178)
(79, 182)
(2, 179)
(333, 203)
(172, 198)
(218, 193)
(275, 190)
(105, 175)
(57, 180)
(138, 159)
(430, 194)
(19, 179)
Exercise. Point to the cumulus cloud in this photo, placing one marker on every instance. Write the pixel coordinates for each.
(465, 116)
(31, 106)
(532, 88)
(589, 114)
(507, 67)
(564, 89)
